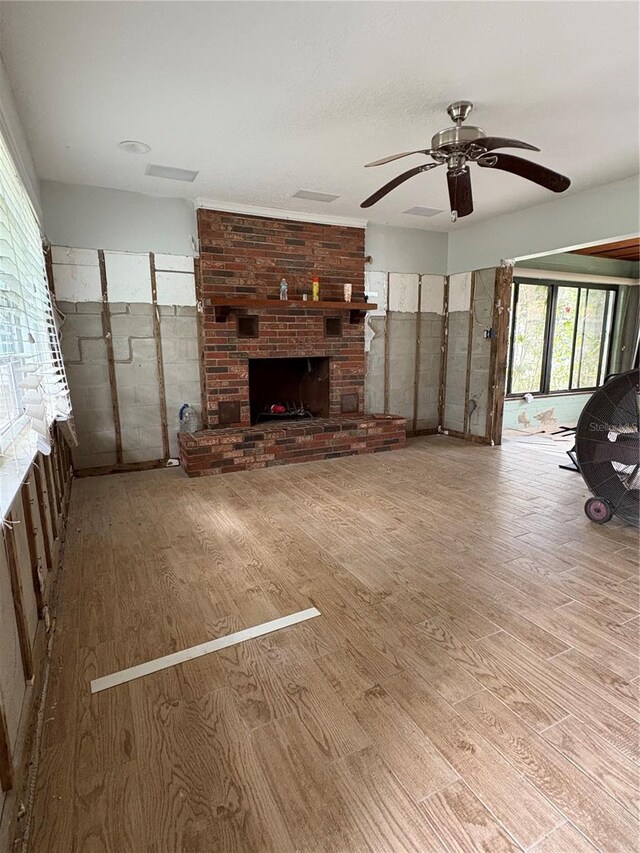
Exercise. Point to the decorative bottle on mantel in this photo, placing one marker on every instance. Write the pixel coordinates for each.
(315, 288)
(284, 290)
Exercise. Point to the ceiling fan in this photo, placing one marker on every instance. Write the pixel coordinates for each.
(457, 147)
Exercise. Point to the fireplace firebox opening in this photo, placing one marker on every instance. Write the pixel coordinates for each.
(288, 388)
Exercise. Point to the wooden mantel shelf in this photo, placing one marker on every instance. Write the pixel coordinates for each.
(224, 306)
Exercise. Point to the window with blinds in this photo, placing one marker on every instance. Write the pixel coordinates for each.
(33, 386)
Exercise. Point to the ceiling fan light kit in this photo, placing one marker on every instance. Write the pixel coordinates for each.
(457, 147)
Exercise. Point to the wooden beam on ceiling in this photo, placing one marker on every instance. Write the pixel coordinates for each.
(623, 250)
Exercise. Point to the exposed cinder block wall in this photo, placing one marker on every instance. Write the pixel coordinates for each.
(478, 395)
(403, 340)
(135, 321)
(180, 358)
(466, 386)
(84, 351)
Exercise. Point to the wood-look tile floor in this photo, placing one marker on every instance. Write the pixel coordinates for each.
(472, 683)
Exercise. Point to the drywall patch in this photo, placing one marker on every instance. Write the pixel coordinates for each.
(403, 292)
(432, 294)
(174, 263)
(375, 287)
(176, 288)
(77, 282)
(128, 277)
(459, 292)
(75, 257)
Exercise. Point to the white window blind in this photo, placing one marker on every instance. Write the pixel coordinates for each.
(33, 386)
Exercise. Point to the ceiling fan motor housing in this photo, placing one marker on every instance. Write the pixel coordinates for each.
(452, 139)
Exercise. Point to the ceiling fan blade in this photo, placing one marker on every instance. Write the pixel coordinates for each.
(396, 183)
(396, 157)
(490, 143)
(460, 192)
(526, 169)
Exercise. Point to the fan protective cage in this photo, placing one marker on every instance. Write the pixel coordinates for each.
(608, 444)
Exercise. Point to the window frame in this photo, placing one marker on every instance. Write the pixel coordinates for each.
(549, 329)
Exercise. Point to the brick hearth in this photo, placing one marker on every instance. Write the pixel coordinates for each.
(222, 450)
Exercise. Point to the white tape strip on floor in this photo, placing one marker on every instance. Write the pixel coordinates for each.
(107, 681)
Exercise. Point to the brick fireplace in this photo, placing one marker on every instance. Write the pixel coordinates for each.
(261, 352)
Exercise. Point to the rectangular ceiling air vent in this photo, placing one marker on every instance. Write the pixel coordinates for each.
(424, 211)
(314, 196)
(170, 172)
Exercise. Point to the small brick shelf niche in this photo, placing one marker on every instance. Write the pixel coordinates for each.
(220, 451)
(242, 261)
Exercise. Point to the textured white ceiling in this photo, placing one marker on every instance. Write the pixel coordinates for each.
(267, 98)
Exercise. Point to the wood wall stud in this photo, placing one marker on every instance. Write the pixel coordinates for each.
(6, 759)
(444, 347)
(499, 349)
(27, 512)
(53, 510)
(159, 360)
(106, 331)
(18, 600)
(42, 511)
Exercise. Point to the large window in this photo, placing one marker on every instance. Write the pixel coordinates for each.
(33, 388)
(560, 337)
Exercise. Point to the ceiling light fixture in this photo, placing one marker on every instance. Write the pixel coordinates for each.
(133, 147)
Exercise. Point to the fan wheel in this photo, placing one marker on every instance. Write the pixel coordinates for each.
(598, 510)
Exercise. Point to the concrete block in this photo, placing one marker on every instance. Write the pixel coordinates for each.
(118, 308)
(140, 416)
(166, 311)
(180, 349)
(83, 325)
(92, 373)
(121, 349)
(146, 395)
(184, 327)
(92, 349)
(97, 397)
(186, 311)
(151, 435)
(191, 390)
(70, 347)
(141, 308)
(102, 440)
(66, 307)
(175, 373)
(89, 307)
(136, 373)
(131, 325)
(83, 458)
(143, 454)
(88, 421)
(144, 349)
(130, 437)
